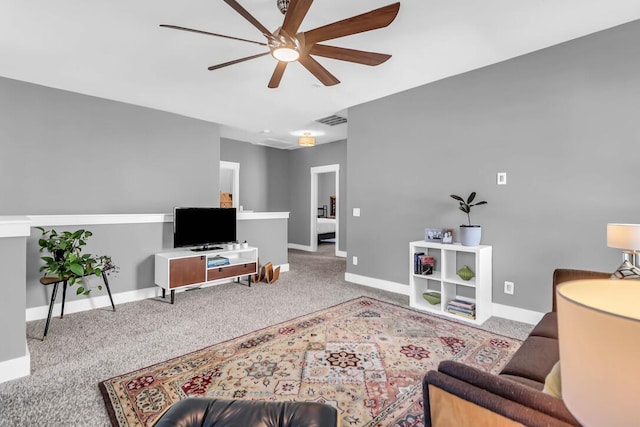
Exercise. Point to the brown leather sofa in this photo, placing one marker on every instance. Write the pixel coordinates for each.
(208, 412)
(460, 395)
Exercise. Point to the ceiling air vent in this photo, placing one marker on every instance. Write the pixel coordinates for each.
(332, 120)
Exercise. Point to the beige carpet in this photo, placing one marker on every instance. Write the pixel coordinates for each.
(85, 348)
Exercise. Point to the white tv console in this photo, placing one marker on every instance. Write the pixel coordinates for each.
(186, 268)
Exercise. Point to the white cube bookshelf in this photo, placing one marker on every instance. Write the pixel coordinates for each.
(449, 259)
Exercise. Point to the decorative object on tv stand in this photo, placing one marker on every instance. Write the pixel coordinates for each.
(600, 325)
(470, 235)
(465, 273)
(627, 238)
(68, 262)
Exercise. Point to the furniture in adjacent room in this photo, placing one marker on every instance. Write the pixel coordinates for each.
(449, 259)
(462, 395)
(326, 228)
(186, 268)
(56, 281)
(332, 200)
(205, 412)
(326, 224)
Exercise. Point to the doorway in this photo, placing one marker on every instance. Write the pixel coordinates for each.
(320, 213)
(229, 184)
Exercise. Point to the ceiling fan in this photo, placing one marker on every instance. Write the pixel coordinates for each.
(287, 45)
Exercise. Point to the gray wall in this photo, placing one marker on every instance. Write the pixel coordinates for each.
(326, 189)
(69, 153)
(65, 153)
(300, 163)
(562, 122)
(278, 178)
(12, 319)
(269, 236)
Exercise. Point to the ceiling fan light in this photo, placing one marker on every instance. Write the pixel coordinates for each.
(285, 54)
(307, 140)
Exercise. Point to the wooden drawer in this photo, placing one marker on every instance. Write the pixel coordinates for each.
(186, 271)
(231, 271)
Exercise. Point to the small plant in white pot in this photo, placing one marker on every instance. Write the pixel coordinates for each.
(469, 234)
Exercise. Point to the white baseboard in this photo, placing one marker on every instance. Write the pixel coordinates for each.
(517, 314)
(299, 247)
(384, 285)
(341, 254)
(37, 313)
(284, 268)
(16, 368)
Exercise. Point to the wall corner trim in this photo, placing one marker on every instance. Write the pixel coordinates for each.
(15, 226)
(385, 285)
(16, 368)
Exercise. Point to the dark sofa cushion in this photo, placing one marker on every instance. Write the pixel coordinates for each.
(547, 327)
(534, 359)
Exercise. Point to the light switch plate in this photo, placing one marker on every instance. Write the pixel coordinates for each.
(502, 178)
(356, 211)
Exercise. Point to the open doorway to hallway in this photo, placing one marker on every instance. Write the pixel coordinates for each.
(325, 206)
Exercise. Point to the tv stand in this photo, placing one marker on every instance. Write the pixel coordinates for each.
(184, 269)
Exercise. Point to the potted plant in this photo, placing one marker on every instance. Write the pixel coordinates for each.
(469, 234)
(67, 260)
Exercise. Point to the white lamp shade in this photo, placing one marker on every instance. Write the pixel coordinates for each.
(623, 236)
(599, 338)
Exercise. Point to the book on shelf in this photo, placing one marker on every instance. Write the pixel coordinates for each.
(461, 310)
(462, 314)
(463, 304)
(416, 262)
(427, 263)
(217, 261)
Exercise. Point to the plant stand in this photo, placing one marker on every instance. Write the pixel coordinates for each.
(55, 281)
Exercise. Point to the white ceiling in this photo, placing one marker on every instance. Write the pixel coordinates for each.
(115, 49)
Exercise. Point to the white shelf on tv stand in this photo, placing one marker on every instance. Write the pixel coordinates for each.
(449, 258)
(186, 268)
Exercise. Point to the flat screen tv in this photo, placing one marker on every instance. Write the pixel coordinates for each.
(203, 227)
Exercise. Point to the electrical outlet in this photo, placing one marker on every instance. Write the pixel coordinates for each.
(502, 178)
(509, 287)
(356, 211)
(355, 260)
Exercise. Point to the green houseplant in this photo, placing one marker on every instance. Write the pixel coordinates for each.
(66, 260)
(470, 234)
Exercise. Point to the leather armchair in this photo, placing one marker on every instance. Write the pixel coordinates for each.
(207, 412)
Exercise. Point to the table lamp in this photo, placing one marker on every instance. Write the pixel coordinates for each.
(625, 237)
(599, 339)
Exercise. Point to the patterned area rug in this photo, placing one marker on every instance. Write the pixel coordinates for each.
(365, 357)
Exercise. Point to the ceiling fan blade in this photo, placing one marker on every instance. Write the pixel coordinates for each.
(321, 73)
(295, 14)
(246, 15)
(235, 61)
(175, 27)
(372, 20)
(351, 55)
(277, 75)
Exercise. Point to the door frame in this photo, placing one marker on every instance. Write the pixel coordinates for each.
(235, 169)
(313, 237)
